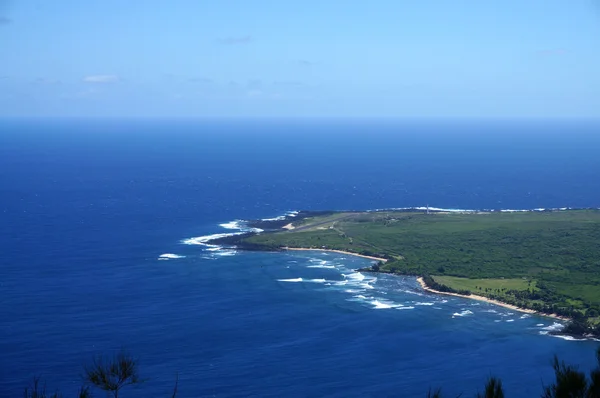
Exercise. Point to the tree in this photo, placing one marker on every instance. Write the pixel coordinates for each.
(113, 374)
(493, 389)
(38, 390)
(571, 383)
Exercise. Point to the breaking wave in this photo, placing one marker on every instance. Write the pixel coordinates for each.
(283, 217)
(462, 313)
(169, 256)
(555, 327)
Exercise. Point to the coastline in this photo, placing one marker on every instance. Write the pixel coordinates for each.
(491, 301)
(335, 251)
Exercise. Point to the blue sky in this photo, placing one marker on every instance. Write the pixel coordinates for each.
(226, 58)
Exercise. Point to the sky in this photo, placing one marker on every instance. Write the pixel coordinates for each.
(309, 58)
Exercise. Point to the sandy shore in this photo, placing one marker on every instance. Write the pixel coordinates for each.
(335, 251)
(288, 226)
(487, 300)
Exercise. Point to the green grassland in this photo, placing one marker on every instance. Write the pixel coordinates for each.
(483, 285)
(532, 259)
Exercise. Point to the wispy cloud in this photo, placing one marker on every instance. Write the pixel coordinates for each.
(101, 79)
(235, 40)
(4, 20)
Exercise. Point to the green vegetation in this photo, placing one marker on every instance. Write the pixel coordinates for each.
(486, 285)
(546, 261)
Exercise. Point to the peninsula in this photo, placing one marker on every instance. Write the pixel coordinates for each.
(544, 261)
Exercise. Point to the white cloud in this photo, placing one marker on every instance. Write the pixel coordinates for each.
(101, 79)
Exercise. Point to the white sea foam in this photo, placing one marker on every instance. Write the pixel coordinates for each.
(322, 266)
(353, 291)
(510, 320)
(568, 338)
(240, 225)
(355, 276)
(169, 256)
(280, 218)
(441, 209)
(291, 280)
(405, 308)
(431, 208)
(366, 286)
(235, 224)
(202, 240)
(555, 327)
(225, 253)
(384, 304)
(462, 313)
(424, 303)
(539, 324)
(524, 316)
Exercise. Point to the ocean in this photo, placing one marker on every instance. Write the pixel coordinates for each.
(97, 220)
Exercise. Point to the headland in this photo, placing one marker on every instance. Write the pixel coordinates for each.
(541, 261)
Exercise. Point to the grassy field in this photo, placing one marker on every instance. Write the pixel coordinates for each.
(559, 252)
(480, 285)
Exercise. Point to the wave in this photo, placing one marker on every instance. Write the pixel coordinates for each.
(568, 338)
(202, 240)
(240, 225)
(462, 313)
(383, 305)
(555, 327)
(283, 217)
(291, 280)
(355, 276)
(169, 256)
(319, 280)
(450, 210)
(424, 303)
(321, 266)
(222, 252)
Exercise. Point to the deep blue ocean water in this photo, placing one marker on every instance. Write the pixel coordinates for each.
(87, 207)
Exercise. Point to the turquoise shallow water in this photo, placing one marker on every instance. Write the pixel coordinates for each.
(87, 209)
